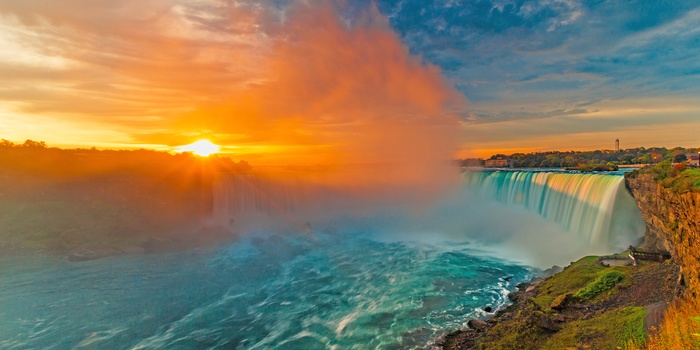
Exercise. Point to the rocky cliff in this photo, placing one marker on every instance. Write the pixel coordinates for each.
(673, 222)
(555, 313)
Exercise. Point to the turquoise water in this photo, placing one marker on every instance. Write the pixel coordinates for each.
(389, 282)
(338, 288)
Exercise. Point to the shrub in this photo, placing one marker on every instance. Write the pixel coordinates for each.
(603, 283)
(662, 170)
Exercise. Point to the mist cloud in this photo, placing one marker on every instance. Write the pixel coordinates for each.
(296, 84)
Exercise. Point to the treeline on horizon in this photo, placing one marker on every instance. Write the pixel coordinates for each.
(36, 157)
(589, 160)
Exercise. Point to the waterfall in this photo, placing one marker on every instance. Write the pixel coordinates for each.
(595, 206)
(249, 197)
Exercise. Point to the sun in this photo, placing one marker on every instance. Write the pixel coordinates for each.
(201, 148)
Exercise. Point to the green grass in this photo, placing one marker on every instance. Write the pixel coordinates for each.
(685, 181)
(591, 281)
(605, 282)
(611, 330)
(574, 278)
(516, 333)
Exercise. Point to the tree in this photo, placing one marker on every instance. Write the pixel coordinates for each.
(6, 143)
(680, 158)
(34, 144)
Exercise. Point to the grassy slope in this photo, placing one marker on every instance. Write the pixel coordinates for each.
(576, 277)
(684, 181)
(603, 330)
(665, 174)
(611, 330)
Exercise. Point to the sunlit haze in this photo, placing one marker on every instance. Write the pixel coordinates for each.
(299, 82)
(202, 148)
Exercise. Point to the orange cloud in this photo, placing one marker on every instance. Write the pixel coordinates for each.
(306, 87)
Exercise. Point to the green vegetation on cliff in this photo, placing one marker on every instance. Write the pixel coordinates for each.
(579, 276)
(586, 306)
(677, 178)
(605, 282)
(611, 330)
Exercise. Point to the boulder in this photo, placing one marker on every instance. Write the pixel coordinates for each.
(561, 301)
(544, 322)
(522, 286)
(488, 309)
(477, 325)
(558, 318)
(552, 271)
(513, 296)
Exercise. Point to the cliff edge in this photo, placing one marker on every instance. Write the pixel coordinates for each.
(673, 222)
(593, 305)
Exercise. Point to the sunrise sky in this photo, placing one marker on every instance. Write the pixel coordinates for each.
(311, 82)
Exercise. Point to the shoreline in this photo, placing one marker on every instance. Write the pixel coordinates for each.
(542, 318)
(474, 326)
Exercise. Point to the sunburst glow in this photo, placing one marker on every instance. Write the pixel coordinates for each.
(201, 148)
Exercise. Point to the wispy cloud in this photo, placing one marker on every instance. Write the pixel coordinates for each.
(563, 74)
(299, 74)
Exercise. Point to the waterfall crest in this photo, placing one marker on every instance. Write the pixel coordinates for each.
(493, 206)
(595, 206)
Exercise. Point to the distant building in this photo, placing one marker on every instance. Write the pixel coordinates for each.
(617, 145)
(693, 159)
(497, 163)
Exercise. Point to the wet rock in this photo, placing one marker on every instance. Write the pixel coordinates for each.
(459, 340)
(522, 286)
(477, 325)
(513, 296)
(488, 309)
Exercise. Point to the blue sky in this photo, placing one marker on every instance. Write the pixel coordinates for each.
(517, 60)
(491, 49)
(535, 75)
